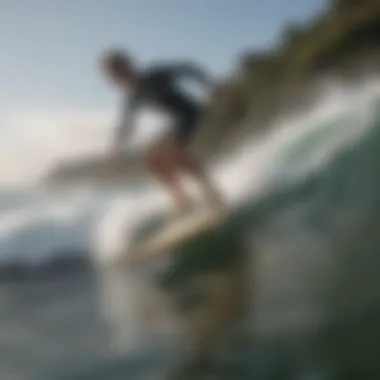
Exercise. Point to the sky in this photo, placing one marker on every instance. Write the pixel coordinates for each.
(53, 98)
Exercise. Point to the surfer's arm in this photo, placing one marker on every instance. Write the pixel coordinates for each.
(124, 129)
(193, 71)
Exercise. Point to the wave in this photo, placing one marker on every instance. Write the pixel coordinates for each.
(37, 228)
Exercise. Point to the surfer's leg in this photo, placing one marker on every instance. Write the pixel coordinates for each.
(189, 165)
(163, 163)
(192, 167)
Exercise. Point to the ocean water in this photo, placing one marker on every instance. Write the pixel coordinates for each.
(313, 187)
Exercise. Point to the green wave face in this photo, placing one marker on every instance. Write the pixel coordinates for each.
(314, 232)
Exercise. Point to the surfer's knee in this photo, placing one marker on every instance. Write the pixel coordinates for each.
(162, 161)
(159, 167)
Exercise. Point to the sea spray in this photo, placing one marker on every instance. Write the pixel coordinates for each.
(251, 174)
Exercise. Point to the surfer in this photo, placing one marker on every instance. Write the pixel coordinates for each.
(169, 157)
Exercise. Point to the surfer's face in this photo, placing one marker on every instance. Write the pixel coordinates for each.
(120, 74)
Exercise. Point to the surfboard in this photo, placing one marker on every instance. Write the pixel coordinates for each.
(97, 169)
(175, 233)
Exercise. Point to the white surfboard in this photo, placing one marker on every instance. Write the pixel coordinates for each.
(175, 233)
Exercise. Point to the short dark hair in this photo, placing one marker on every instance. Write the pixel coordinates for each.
(118, 59)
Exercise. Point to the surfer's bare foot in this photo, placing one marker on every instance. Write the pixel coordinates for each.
(218, 203)
(215, 202)
(180, 210)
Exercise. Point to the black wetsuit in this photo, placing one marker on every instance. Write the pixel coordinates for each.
(157, 86)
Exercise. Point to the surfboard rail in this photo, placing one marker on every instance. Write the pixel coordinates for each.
(174, 234)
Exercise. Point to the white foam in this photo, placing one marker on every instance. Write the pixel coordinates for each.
(259, 164)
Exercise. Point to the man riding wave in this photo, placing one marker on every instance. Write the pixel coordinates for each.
(169, 158)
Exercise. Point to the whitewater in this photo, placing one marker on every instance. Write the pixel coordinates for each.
(312, 185)
(96, 221)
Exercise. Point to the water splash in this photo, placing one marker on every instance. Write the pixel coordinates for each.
(294, 151)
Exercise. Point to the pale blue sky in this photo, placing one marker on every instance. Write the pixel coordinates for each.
(49, 48)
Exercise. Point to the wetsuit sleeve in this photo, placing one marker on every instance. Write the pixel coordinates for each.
(193, 71)
(125, 125)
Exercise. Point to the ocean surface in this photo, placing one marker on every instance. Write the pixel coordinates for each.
(317, 305)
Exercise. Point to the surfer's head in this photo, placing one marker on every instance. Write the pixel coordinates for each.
(119, 67)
